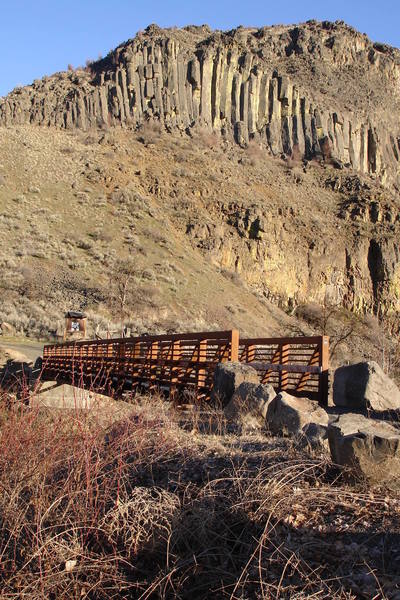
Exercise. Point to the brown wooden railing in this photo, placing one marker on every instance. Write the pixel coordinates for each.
(187, 362)
(297, 365)
(171, 362)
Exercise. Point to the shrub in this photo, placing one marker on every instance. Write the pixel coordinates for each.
(92, 506)
(150, 132)
(255, 153)
(326, 149)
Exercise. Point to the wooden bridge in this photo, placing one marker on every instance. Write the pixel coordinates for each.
(185, 363)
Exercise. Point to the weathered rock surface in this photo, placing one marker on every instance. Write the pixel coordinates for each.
(250, 399)
(271, 84)
(369, 447)
(297, 416)
(68, 397)
(228, 377)
(309, 92)
(365, 386)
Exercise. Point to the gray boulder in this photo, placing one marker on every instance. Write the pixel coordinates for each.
(297, 416)
(249, 403)
(371, 448)
(365, 386)
(228, 377)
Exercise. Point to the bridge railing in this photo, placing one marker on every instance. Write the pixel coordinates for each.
(187, 361)
(297, 365)
(174, 362)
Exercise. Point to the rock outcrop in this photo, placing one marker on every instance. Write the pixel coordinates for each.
(317, 93)
(250, 399)
(272, 85)
(365, 386)
(370, 448)
(228, 377)
(296, 416)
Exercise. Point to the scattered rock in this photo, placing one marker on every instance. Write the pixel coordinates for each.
(365, 386)
(228, 377)
(70, 565)
(250, 402)
(34, 190)
(371, 448)
(297, 416)
(6, 329)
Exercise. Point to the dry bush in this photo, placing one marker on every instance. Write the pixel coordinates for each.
(255, 153)
(207, 138)
(150, 132)
(67, 150)
(67, 502)
(326, 149)
(141, 509)
(233, 276)
(332, 320)
(295, 159)
(142, 521)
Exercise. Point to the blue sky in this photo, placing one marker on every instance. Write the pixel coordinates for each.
(39, 37)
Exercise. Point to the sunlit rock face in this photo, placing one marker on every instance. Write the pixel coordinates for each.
(315, 89)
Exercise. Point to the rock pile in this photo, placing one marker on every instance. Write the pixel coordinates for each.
(369, 447)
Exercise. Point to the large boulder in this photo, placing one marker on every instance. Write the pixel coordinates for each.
(365, 386)
(297, 416)
(371, 448)
(228, 377)
(51, 395)
(249, 404)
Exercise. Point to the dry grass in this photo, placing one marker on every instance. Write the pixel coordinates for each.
(111, 196)
(165, 505)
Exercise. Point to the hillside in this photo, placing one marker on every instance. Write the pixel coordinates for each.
(195, 180)
(222, 179)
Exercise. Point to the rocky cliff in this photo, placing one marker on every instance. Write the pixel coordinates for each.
(317, 90)
(269, 155)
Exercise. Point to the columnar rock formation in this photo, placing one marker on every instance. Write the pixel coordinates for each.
(317, 90)
(271, 85)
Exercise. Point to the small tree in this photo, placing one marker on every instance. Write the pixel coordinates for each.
(121, 289)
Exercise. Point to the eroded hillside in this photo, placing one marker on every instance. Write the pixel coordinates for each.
(226, 198)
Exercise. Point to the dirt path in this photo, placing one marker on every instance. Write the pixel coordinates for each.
(29, 350)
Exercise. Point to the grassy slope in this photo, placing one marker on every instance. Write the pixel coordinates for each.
(73, 203)
(56, 222)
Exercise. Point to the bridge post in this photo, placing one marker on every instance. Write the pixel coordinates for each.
(153, 364)
(234, 350)
(283, 375)
(175, 368)
(324, 376)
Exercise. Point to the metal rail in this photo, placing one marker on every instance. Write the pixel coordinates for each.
(297, 365)
(172, 362)
(187, 361)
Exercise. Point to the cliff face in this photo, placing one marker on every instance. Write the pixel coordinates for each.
(312, 90)
(297, 230)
